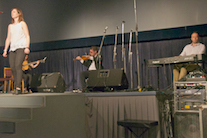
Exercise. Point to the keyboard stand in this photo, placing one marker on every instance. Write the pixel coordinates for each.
(158, 78)
(130, 124)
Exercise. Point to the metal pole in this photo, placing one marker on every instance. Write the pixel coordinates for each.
(115, 53)
(123, 49)
(130, 58)
(137, 48)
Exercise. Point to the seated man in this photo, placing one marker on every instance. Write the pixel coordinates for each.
(194, 48)
(26, 73)
(92, 62)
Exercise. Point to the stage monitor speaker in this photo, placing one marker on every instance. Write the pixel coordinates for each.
(191, 124)
(187, 125)
(48, 83)
(107, 78)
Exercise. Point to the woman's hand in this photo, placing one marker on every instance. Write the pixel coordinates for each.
(5, 54)
(26, 51)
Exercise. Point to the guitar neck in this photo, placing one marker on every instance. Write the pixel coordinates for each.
(41, 61)
(31, 63)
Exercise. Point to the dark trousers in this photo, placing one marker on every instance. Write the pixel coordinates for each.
(27, 80)
(16, 59)
(83, 76)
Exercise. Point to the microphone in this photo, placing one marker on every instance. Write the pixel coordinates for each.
(105, 29)
(1, 12)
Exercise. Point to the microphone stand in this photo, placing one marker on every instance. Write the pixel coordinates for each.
(130, 58)
(123, 49)
(99, 51)
(114, 57)
(137, 48)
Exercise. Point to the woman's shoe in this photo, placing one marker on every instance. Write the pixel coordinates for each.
(25, 90)
(30, 91)
(16, 92)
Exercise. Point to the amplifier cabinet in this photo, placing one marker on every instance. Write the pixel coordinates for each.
(188, 95)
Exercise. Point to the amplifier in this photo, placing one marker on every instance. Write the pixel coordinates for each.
(196, 76)
(188, 95)
(196, 94)
(189, 105)
(190, 84)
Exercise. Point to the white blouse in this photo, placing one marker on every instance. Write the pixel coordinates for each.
(18, 38)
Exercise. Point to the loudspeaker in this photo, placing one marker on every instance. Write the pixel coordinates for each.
(186, 125)
(48, 83)
(191, 124)
(107, 78)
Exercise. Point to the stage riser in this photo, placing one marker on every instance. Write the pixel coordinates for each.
(15, 114)
(105, 109)
(7, 127)
(53, 115)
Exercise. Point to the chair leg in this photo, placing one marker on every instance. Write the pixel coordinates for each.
(9, 86)
(22, 86)
(12, 85)
(5, 85)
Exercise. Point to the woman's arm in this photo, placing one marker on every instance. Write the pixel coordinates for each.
(26, 33)
(7, 42)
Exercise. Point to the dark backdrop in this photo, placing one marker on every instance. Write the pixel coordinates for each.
(62, 61)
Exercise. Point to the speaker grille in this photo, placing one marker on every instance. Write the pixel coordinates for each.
(48, 82)
(187, 125)
(111, 78)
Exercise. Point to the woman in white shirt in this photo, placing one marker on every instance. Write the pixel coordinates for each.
(19, 41)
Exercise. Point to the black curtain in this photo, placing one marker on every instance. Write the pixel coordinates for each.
(62, 61)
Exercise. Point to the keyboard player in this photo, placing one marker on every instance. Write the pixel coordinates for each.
(180, 70)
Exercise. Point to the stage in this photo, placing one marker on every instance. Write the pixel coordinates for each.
(71, 114)
(43, 115)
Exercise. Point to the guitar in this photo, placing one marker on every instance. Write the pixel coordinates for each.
(25, 64)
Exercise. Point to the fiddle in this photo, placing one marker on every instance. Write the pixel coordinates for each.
(83, 57)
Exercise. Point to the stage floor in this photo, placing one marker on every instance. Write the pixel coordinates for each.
(93, 114)
(42, 115)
